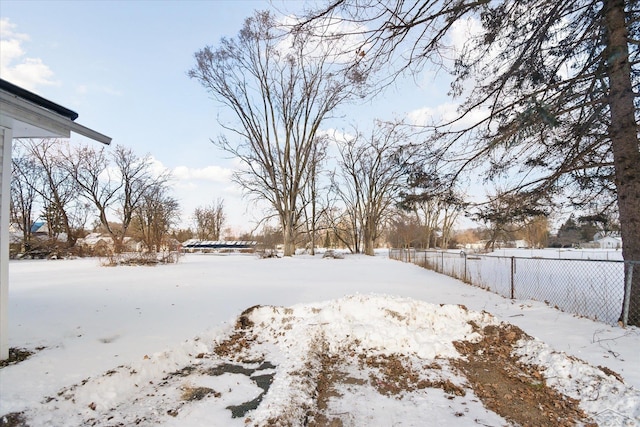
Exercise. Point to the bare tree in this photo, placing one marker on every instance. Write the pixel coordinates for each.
(435, 200)
(279, 89)
(405, 231)
(451, 210)
(370, 173)
(344, 228)
(312, 209)
(58, 193)
(89, 167)
(23, 194)
(154, 217)
(209, 220)
(137, 181)
(427, 213)
(557, 84)
(536, 231)
(116, 186)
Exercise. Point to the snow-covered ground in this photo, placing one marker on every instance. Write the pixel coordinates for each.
(127, 342)
(562, 253)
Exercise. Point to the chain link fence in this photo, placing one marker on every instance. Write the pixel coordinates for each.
(590, 288)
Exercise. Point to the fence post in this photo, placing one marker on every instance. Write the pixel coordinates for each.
(513, 276)
(627, 293)
(464, 275)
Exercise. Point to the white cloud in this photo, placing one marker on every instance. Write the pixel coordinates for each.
(464, 30)
(336, 136)
(7, 30)
(84, 89)
(446, 113)
(157, 167)
(185, 185)
(11, 49)
(15, 66)
(428, 116)
(209, 173)
(110, 91)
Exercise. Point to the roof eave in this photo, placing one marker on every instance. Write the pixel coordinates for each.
(22, 109)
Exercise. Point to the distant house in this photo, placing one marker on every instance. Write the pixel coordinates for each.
(101, 245)
(15, 234)
(476, 246)
(39, 227)
(609, 242)
(96, 244)
(40, 230)
(521, 244)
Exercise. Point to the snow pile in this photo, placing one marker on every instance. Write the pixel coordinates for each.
(373, 322)
(357, 360)
(601, 392)
(371, 325)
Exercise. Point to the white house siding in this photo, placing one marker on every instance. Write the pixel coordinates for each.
(5, 187)
(610, 243)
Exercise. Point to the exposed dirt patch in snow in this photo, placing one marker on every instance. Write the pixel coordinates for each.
(13, 419)
(17, 355)
(359, 360)
(516, 391)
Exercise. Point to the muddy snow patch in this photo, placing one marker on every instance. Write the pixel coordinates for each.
(362, 359)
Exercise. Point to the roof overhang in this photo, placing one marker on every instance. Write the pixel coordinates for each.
(35, 117)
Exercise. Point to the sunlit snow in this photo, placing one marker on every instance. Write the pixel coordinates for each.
(128, 344)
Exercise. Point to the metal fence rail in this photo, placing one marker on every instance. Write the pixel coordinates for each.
(589, 288)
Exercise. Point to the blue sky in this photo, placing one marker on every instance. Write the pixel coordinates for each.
(122, 66)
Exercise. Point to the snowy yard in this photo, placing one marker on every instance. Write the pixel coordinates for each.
(236, 340)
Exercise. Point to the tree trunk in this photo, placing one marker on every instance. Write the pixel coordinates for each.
(623, 132)
(71, 235)
(428, 236)
(118, 243)
(356, 234)
(289, 244)
(288, 235)
(313, 223)
(368, 236)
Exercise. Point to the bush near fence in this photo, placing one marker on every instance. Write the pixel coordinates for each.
(588, 288)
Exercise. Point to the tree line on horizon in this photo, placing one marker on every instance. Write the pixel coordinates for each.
(81, 189)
